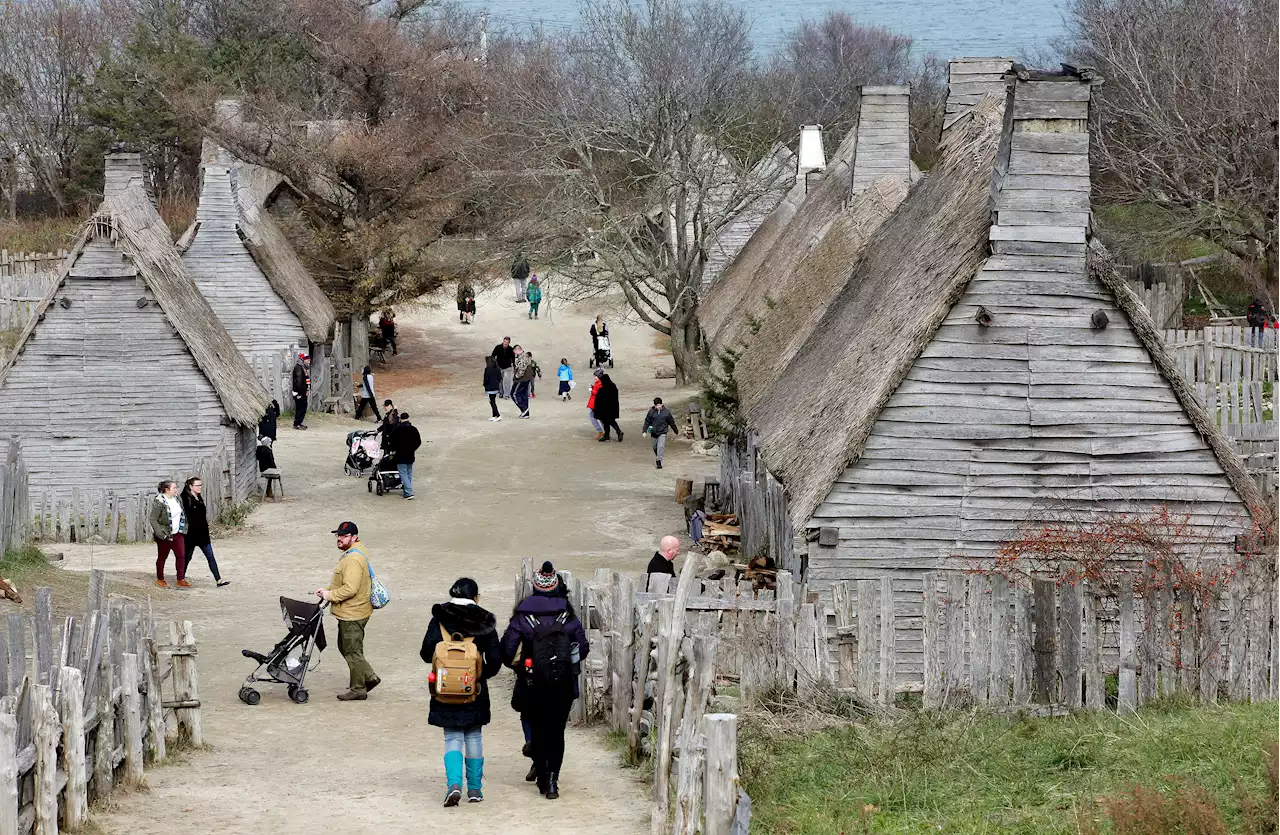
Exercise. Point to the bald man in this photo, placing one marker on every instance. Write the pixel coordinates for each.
(665, 557)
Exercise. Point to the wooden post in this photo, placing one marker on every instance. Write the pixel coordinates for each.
(932, 643)
(1093, 679)
(132, 719)
(1259, 631)
(786, 642)
(104, 708)
(808, 663)
(953, 673)
(888, 643)
(721, 786)
(44, 635)
(689, 786)
(669, 651)
(47, 734)
(1045, 615)
(156, 750)
(1000, 679)
(866, 639)
(684, 489)
(843, 606)
(17, 652)
(979, 611)
(640, 677)
(1210, 652)
(1128, 683)
(9, 799)
(76, 796)
(186, 683)
(622, 630)
(1237, 641)
(1069, 644)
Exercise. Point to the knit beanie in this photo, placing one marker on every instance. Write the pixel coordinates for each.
(546, 578)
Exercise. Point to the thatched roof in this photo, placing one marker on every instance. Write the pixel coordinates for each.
(804, 294)
(254, 187)
(897, 295)
(746, 287)
(128, 218)
(1102, 267)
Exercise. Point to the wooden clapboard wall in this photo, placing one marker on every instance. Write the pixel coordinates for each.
(971, 78)
(105, 394)
(772, 176)
(996, 425)
(248, 306)
(884, 143)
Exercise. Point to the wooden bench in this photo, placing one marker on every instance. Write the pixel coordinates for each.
(273, 478)
(379, 354)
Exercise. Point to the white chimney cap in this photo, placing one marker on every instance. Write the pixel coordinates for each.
(811, 157)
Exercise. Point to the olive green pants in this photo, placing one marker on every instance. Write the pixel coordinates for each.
(351, 645)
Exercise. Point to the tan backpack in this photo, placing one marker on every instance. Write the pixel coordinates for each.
(457, 666)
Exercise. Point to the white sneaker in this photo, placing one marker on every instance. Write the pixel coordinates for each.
(495, 420)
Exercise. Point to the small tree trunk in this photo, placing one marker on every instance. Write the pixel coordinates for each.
(684, 350)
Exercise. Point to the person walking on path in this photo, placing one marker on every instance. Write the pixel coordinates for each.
(168, 528)
(267, 426)
(405, 441)
(545, 642)
(519, 274)
(537, 375)
(461, 620)
(465, 294)
(390, 420)
(523, 368)
(534, 294)
(367, 395)
(598, 329)
(469, 310)
(387, 324)
(492, 386)
(197, 535)
(565, 375)
(505, 356)
(301, 383)
(656, 422)
(348, 599)
(591, 404)
(664, 558)
(607, 407)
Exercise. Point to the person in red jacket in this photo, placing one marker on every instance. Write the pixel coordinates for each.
(591, 405)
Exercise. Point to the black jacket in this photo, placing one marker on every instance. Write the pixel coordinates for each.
(197, 520)
(267, 426)
(660, 565)
(542, 607)
(505, 355)
(405, 441)
(1256, 316)
(606, 405)
(266, 459)
(492, 378)
(299, 381)
(520, 269)
(457, 618)
(660, 419)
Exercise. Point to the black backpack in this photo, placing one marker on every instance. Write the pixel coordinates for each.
(552, 672)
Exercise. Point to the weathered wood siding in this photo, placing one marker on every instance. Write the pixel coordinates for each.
(105, 394)
(884, 143)
(249, 308)
(1034, 415)
(771, 174)
(969, 79)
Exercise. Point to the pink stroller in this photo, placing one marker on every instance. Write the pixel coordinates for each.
(363, 451)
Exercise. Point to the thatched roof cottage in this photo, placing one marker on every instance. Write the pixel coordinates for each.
(125, 375)
(979, 370)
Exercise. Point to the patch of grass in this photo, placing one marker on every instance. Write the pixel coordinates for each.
(966, 773)
(234, 516)
(39, 234)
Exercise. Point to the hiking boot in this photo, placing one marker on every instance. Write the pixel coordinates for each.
(553, 787)
(659, 464)
(452, 796)
(353, 696)
(619, 436)
(183, 584)
(603, 439)
(474, 796)
(371, 683)
(162, 584)
(541, 780)
(527, 750)
(532, 775)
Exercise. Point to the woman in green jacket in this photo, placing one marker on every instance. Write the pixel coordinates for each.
(169, 528)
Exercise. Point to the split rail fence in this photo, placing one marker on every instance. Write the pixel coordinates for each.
(1005, 645)
(94, 704)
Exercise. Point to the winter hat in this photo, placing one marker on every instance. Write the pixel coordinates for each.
(599, 372)
(546, 578)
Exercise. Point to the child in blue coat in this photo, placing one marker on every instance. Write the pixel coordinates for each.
(565, 373)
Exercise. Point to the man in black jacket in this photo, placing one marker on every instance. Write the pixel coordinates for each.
(405, 441)
(301, 383)
(656, 423)
(664, 558)
(505, 356)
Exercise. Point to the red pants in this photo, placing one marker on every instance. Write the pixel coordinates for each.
(178, 546)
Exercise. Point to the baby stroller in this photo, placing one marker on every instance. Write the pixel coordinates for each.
(385, 476)
(287, 662)
(603, 353)
(363, 449)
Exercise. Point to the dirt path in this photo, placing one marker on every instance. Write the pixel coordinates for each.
(488, 494)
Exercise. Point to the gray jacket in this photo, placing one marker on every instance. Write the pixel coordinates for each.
(659, 419)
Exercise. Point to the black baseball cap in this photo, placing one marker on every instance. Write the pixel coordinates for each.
(347, 529)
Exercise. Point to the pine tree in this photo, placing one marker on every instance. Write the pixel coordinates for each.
(720, 397)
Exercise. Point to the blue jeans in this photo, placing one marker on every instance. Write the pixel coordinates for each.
(595, 424)
(406, 478)
(208, 555)
(520, 394)
(458, 739)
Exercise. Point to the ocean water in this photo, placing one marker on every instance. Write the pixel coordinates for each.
(956, 28)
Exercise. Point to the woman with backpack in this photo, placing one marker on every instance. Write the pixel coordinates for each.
(461, 646)
(546, 644)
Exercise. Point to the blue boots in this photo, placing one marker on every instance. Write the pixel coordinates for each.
(475, 774)
(453, 777)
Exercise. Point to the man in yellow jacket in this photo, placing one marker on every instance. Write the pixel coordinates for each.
(348, 597)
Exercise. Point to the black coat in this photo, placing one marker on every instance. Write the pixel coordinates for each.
(479, 624)
(299, 381)
(197, 520)
(606, 406)
(660, 565)
(267, 426)
(543, 607)
(505, 355)
(405, 441)
(492, 378)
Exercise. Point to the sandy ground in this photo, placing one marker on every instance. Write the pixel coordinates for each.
(488, 494)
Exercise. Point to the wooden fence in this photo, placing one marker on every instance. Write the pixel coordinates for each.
(96, 702)
(1230, 375)
(25, 278)
(114, 517)
(331, 385)
(15, 514)
(1006, 645)
(750, 491)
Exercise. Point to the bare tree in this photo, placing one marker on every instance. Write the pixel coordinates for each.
(646, 123)
(1186, 119)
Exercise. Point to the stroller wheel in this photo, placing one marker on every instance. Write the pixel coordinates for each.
(370, 485)
(591, 363)
(611, 363)
(346, 469)
(250, 696)
(379, 488)
(298, 694)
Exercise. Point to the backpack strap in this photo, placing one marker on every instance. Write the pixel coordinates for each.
(368, 565)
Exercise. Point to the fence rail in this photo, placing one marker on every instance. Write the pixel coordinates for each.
(95, 702)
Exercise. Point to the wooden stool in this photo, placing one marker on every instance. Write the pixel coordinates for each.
(378, 354)
(273, 478)
(711, 492)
